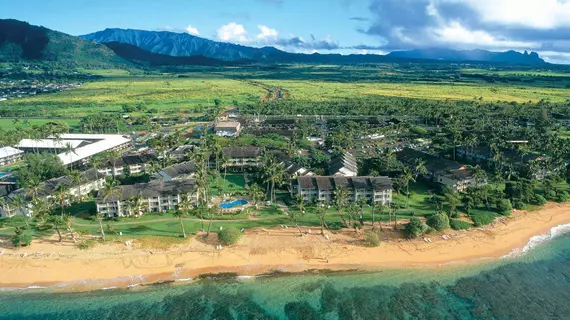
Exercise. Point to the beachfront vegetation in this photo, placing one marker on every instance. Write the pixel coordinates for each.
(459, 224)
(229, 236)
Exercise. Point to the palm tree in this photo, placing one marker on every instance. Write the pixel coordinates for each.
(62, 197)
(19, 203)
(76, 179)
(34, 188)
(100, 217)
(5, 207)
(137, 205)
(406, 177)
(68, 221)
(111, 190)
(300, 203)
(40, 208)
(184, 208)
(256, 194)
(480, 176)
(68, 149)
(57, 222)
(419, 168)
(341, 199)
(321, 212)
(112, 156)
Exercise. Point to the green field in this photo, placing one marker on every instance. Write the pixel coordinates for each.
(8, 123)
(188, 91)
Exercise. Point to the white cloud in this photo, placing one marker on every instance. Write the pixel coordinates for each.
(267, 33)
(540, 14)
(192, 30)
(456, 33)
(233, 32)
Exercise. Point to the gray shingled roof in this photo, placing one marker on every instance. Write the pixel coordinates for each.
(328, 183)
(180, 169)
(151, 190)
(433, 164)
(344, 160)
(243, 152)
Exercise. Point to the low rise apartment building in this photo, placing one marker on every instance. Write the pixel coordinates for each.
(156, 196)
(132, 164)
(321, 189)
(9, 155)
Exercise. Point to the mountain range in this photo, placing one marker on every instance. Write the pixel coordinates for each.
(20, 41)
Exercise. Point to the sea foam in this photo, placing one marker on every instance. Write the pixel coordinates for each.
(537, 240)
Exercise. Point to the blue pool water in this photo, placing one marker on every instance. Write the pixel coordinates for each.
(230, 205)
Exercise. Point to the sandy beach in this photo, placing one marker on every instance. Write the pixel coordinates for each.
(49, 263)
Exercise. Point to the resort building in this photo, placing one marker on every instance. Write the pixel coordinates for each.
(156, 196)
(131, 164)
(179, 171)
(450, 173)
(91, 180)
(242, 158)
(344, 165)
(9, 155)
(227, 128)
(76, 149)
(322, 189)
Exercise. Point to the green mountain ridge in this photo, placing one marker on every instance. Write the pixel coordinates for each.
(20, 41)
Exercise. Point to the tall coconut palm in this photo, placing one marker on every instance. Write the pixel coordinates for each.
(111, 190)
(113, 156)
(68, 220)
(341, 199)
(419, 168)
(57, 222)
(40, 208)
(19, 204)
(76, 180)
(256, 194)
(34, 188)
(137, 205)
(406, 177)
(180, 214)
(69, 150)
(321, 213)
(62, 197)
(100, 218)
(5, 207)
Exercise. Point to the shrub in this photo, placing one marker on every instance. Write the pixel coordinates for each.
(372, 239)
(538, 200)
(418, 130)
(550, 195)
(504, 206)
(562, 196)
(483, 218)
(229, 236)
(86, 244)
(518, 204)
(438, 221)
(415, 228)
(337, 225)
(23, 239)
(459, 225)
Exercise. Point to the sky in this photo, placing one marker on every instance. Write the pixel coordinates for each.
(325, 26)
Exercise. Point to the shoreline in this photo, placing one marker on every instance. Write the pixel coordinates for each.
(62, 267)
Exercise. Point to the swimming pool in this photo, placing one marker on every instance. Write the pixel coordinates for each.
(230, 205)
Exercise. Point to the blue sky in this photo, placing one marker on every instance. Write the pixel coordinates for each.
(345, 26)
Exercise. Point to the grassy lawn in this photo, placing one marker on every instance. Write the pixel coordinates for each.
(8, 123)
(419, 204)
(231, 184)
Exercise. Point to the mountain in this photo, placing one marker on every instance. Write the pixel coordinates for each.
(20, 41)
(140, 56)
(181, 44)
(512, 57)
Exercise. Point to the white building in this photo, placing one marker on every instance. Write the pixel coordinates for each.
(322, 189)
(156, 196)
(179, 171)
(227, 128)
(84, 146)
(133, 164)
(9, 155)
(344, 165)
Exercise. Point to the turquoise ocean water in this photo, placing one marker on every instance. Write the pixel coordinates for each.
(535, 285)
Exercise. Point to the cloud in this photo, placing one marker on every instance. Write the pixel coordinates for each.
(267, 33)
(191, 30)
(466, 24)
(233, 32)
(361, 19)
(236, 33)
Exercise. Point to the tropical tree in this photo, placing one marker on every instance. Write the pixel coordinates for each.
(57, 223)
(68, 149)
(180, 214)
(341, 199)
(419, 168)
(40, 208)
(5, 207)
(67, 219)
(321, 213)
(406, 177)
(62, 197)
(111, 190)
(137, 205)
(76, 179)
(256, 194)
(100, 217)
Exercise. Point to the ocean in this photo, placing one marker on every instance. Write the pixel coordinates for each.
(534, 284)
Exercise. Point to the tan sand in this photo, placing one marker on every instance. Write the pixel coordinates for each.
(48, 262)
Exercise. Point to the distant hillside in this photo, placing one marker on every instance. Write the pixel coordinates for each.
(470, 55)
(180, 44)
(140, 56)
(20, 41)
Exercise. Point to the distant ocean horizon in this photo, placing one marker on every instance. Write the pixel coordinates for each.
(529, 284)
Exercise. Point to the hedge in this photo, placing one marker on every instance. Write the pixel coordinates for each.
(229, 236)
(459, 225)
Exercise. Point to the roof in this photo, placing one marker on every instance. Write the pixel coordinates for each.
(328, 183)
(151, 190)
(432, 163)
(132, 159)
(9, 151)
(49, 187)
(104, 142)
(460, 174)
(344, 160)
(179, 169)
(224, 125)
(243, 152)
(48, 143)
